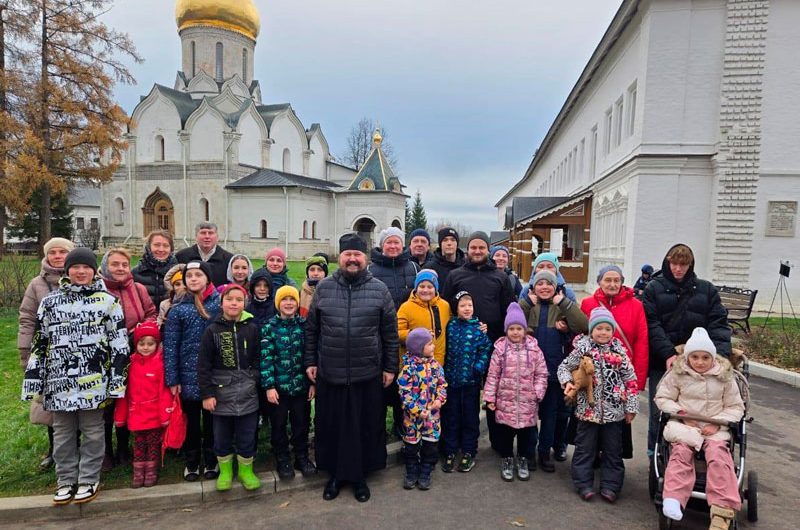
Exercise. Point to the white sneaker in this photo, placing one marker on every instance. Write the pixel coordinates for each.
(522, 468)
(672, 509)
(86, 492)
(64, 494)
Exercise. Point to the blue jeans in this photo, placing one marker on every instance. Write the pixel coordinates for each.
(235, 434)
(460, 420)
(554, 415)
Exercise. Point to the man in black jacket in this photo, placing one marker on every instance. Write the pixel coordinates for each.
(448, 256)
(206, 249)
(352, 355)
(675, 302)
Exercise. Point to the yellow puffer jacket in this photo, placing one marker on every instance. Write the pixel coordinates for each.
(414, 313)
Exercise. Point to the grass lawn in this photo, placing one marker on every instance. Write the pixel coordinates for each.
(22, 445)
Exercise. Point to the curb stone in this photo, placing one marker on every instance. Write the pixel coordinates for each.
(775, 374)
(39, 508)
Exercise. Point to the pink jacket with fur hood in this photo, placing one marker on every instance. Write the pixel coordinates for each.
(516, 382)
(713, 394)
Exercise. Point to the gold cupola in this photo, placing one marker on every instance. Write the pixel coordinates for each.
(240, 16)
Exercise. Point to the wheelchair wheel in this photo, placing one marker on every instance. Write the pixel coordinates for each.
(652, 482)
(664, 523)
(752, 496)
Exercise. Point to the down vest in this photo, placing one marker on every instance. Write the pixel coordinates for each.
(79, 355)
(147, 400)
(629, 314)
(228, 365)
(713, 394)
(675, 308)
(42, 285)
(397, 273)
(351, 330)
(516, 382)
(182, 333)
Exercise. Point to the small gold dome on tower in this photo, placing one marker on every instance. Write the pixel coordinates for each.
(240, 16)
(377, 138)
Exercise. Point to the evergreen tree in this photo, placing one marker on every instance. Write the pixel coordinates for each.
(407, 222)
(26, 226)
(418, 217)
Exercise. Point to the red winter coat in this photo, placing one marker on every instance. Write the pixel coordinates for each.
(137, 306)
(629, 314)
(147, 398)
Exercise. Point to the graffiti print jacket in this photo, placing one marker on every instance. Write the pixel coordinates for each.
(79, 354)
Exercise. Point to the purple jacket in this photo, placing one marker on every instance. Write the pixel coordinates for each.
(516, 382)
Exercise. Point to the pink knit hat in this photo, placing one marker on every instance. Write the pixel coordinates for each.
(276, 252)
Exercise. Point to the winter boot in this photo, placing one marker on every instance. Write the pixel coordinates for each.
(246, 476)
(424, 480)
(225, 477)
(150, 473)
(545, 463)
(211, 467)
(721, 518)
(305, 466)
(284, 467)
(412, 474)
(138, 474)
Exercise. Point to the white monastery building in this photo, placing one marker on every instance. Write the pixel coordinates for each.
(684, 127)
(209, 148)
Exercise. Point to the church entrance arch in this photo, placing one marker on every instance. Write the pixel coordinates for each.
(158, 212)
(365, 227)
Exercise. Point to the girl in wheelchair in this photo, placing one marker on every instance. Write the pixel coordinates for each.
(700, 383)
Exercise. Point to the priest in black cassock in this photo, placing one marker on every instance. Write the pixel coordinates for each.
(351, 355)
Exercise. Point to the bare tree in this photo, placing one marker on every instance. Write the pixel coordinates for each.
(462, 229)
(359, 145)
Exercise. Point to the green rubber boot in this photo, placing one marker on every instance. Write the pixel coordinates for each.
(246, 476)
(225, 477)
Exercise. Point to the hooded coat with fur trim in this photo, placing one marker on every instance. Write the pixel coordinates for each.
(516, 382)
(674, 309)
(79, 354)
(630, 317)
(414, 313)
(39, 287)
(713, 394)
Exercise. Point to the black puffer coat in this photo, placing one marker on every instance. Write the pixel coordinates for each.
(674, 309)
(397, 273)
(491, 293)
(229, 364)
(150, 272)
(443, 267)
(351, 330)
(218, 262)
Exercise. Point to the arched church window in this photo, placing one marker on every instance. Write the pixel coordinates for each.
(305, 229)
(194, 59)
(219, 70)
(204, 209)
(244, 65)
(160, 149)
(263, 229)
(314, 230)
(119, 211)
(366, 185)
(287, 160)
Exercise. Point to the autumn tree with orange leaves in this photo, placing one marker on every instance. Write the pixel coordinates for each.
(68, 126)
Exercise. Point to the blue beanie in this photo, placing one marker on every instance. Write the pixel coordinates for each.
(417, 339)
(420, 232)
(499, 247)
(600, 315)
(427, 275)
(610, 268)
(647, 268)
(546, 256)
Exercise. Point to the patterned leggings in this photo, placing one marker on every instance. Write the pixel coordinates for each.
(147, 445)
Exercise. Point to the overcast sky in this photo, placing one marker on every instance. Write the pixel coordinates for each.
(466, 89)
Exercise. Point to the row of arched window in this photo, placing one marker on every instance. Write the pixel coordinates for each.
(219, 70)
(161, 154)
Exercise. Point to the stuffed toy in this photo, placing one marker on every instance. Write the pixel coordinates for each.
(582, 378)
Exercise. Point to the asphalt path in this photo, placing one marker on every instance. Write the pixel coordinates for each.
(480, 499)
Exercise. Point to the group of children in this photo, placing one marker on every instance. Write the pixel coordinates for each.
(229, 353)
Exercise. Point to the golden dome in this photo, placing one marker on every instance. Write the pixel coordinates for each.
(240, 16)
(377, 138)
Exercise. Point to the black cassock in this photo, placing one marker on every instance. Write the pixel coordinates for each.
(350, 429)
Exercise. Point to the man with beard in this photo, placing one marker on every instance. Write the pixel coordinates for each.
(448, 256)
(351, 355)
(491, 292)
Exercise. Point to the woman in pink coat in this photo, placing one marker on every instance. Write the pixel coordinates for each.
(515, 384)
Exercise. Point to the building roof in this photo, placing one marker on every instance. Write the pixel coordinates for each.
(497, 236)
(271, 178)
(84, 194)
(182, 101)
(376, 168)
(532, 208)
(624, 14)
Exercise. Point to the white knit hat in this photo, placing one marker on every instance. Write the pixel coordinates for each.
(392, 231)
(699, 341)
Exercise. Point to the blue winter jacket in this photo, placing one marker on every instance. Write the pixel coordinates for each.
(468, 351)
(182, 333)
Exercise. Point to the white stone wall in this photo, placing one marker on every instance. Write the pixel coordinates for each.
(206, 141)
(287, 135)
(319, 159)
(206, 40)
(159, 118)
(251, 144)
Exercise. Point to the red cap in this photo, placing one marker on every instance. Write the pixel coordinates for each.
(146, 329)
(230, 287)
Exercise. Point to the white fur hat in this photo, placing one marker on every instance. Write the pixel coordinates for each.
(699, 341)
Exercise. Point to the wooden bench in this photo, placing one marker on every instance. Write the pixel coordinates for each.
(739, 303)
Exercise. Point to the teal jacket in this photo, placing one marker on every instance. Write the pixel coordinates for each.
(282, 347)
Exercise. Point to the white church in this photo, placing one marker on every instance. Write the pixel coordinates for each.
(683, 127)
(209, 148)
